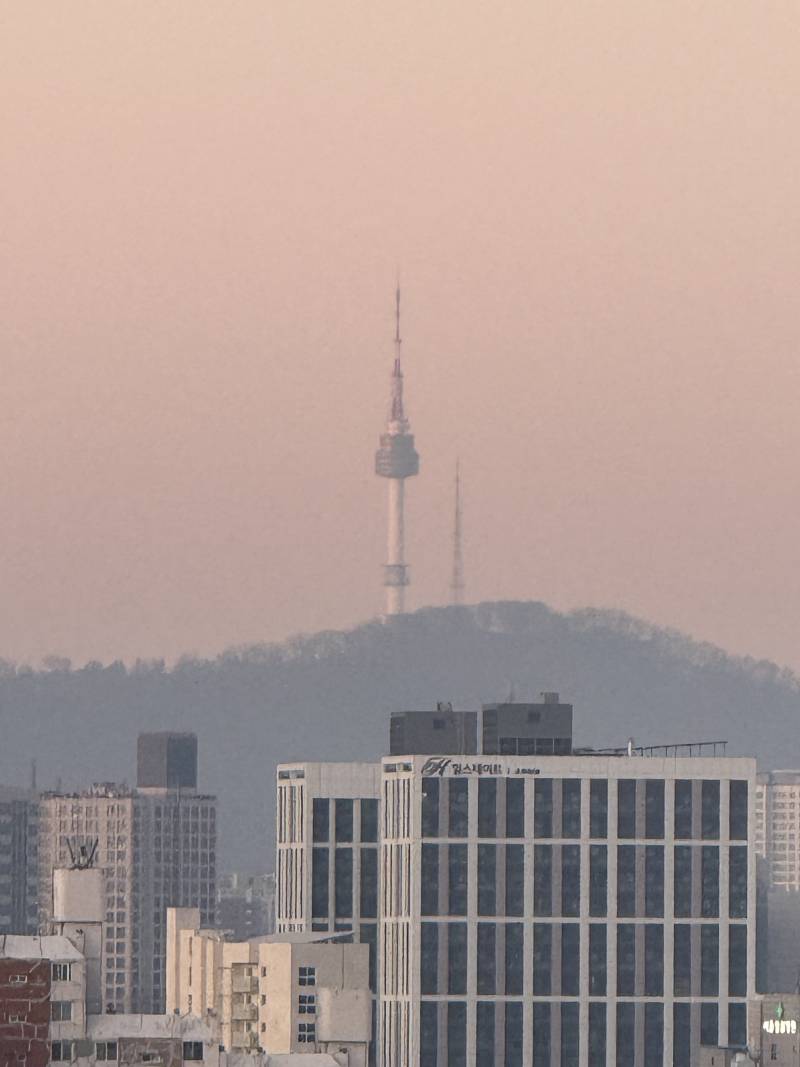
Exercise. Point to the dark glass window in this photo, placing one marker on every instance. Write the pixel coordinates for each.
(319, 882)
(515, 807)
(598, 880)
(369, 819)
(653, 960)
(487, 879)
(484, 1040)
(570, 1035)
(515, 879)
(429, 892)
(430, 807)
(626, 1034)
(429, 959)
(343, 882)
(321, 828)
(709, 960)
(737, 960)
(457, 959)
(457, 879)
(626, 959)
(710, 882)
(368, 904)
(542, 879)
(597, 1035)
(514, 959)
(654, 808)
(654, 1033)
(626, 807)
(598, 807)
(709, 1024)
(369, 936)
(683, 809)
(541, 1032)
(626, 880)
(487, 964)
(513, 1035)
(428, 1033)
(737, 874)
(570, 960)
(738, 811)
(570, 880)
(682, 984)
(682, 896)
(456, 1033)
(344, 820)
(543, 808)
(542, 955)
(457, 807)
(681, 1035)
(710, 810)
(737, 1025)
(570, 807)
(654, 881)
(487, 810)
(597, 959)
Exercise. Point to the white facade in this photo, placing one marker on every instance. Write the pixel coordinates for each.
(579, 911)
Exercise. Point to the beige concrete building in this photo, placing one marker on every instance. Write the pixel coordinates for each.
(281, 995)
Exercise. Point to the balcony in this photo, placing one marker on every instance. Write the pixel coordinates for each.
(246, 1012)
(243, 983)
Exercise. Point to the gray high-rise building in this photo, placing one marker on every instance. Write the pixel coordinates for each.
(166, 761)
(19, 837)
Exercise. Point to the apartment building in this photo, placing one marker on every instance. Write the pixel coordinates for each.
(282, 994)
(157, 846)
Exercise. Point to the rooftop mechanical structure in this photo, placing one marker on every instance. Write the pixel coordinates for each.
(396, 460)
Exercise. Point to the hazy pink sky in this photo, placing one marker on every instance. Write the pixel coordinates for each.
(595, 208)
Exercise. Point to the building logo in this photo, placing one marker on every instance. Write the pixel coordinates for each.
(441, 766)
(779, 1025)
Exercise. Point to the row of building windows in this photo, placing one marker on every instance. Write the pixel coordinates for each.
(343, 820)
(498, 1036)
(499, 959)
(557, 809)
(343, 883)
(641, 882)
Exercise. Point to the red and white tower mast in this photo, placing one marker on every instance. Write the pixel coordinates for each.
(396, 460)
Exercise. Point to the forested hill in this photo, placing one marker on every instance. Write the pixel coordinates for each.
(328, 696)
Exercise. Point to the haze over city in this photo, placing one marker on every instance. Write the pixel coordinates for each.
(594, 213)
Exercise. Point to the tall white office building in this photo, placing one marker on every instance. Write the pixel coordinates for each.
(579, 911)
(777, 827)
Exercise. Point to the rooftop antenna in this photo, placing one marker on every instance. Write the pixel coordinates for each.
(33, 775)
(457, 580)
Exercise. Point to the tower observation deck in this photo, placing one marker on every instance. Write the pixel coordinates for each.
(396, 460)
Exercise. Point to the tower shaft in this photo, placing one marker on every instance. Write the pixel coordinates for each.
(396, 460)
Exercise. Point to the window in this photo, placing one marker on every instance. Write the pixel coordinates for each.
(457, 810)
(457, 959)
(307, 1033)
(571, 807)
(193, 1050)
(598, 807)
(61, 1010)
(17, 1018)
(321, 819)
(61, 1051)
(487, 808)
(626, 807)
(430, 807)
(18, 979)
(515, 807)
(307, 1004)
(457, 859)
(428, 1033)
(308, 976)
(429, 959)
(487, 875)
(319, 881)
(106, 1050)
(61, 972)
(487, 964)
(344, 820)
(369, 820)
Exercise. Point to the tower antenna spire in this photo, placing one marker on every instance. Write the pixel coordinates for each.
(457, 580)
(397, 340)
